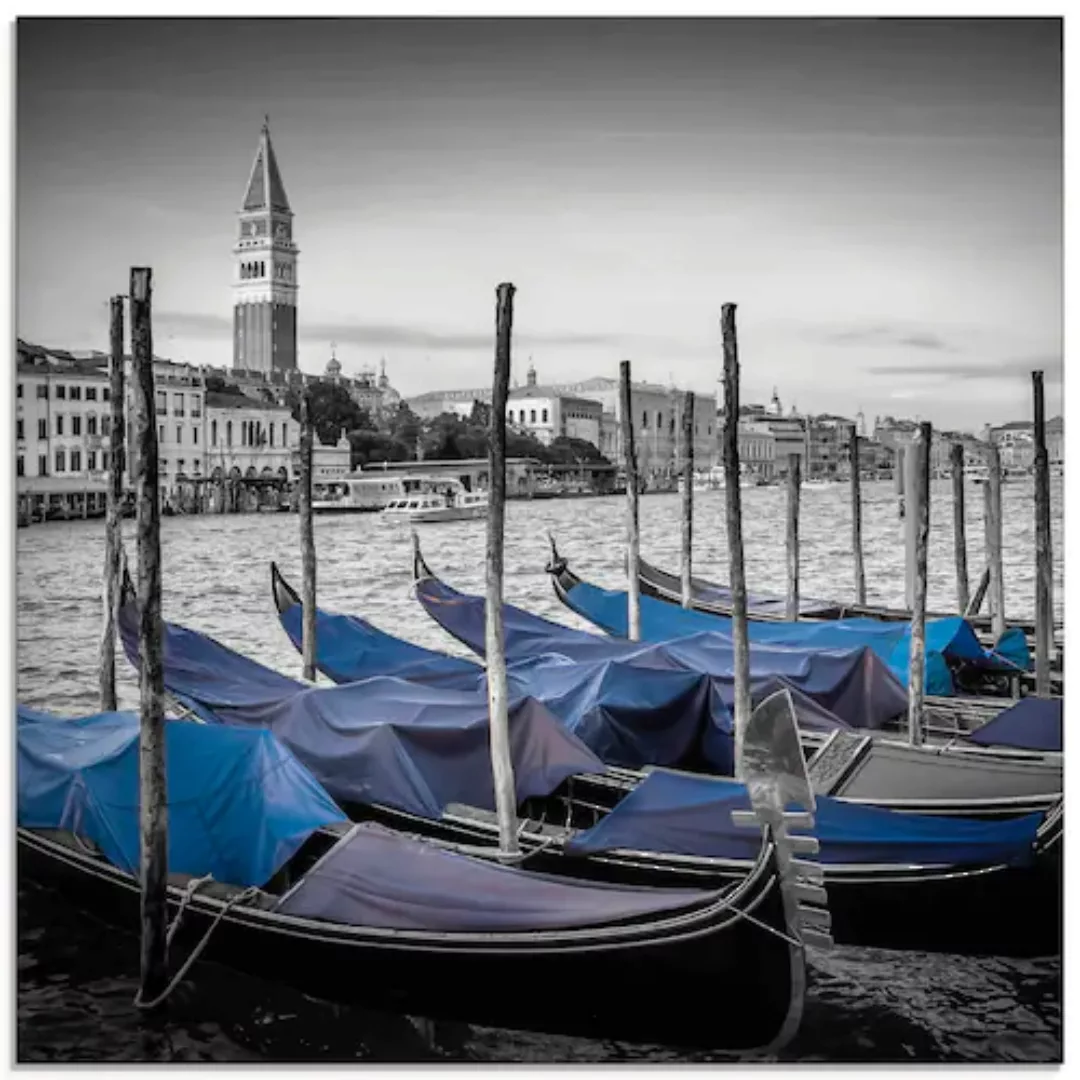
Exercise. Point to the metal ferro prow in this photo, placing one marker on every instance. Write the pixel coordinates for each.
(773, 769)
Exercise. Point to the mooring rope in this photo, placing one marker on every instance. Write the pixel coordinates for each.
(189, 892)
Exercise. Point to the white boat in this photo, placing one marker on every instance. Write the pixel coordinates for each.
(436, 498)
(356, 496)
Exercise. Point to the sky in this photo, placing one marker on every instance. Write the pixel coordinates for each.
(881, 198)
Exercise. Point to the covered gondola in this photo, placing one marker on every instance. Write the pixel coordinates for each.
(267, 874)
(953, 870)
(959, 776)
(711, 598)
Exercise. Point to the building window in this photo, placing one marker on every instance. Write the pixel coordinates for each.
(178, 404)
(104, 459)
(659, 420)
(19, 432)
(532, 416)
(43, 429)
(61, 392)
(544, 416)
(76, 393)
(228, 433)
(195, 436)
(271, 427)
(91, 424)
(161, 403)
(18, 390)
(105, 394)
(59, 461)
(60, 425)
(644, 421)
(42, 390)
(285, 433)
(179, 434)
(91, 393)
(76, 460)
(213, 433)
(160, 434)
(20, 468)
(91, 460)
(76, 426)
(196, 405)
(42, 465)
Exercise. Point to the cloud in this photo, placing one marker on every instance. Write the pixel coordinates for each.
(389, 335)
(1013, 368)
(886, 335)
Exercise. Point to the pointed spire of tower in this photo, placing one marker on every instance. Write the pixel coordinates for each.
(265, 190)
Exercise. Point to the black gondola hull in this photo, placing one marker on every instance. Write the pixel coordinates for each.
(735, 988)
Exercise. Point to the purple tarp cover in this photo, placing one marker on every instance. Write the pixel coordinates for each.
(378, 878)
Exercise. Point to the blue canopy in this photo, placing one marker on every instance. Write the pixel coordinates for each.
(239, 803)
(1031, 724)
(383, 740)
(691, 815)
(375, 877)
(629, 711)
(947, 639)
(851, 684)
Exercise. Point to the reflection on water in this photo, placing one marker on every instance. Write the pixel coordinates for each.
(76, 984)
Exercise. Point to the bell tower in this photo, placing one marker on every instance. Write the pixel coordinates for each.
(264, 270)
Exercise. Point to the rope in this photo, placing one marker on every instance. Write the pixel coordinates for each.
(189, 892)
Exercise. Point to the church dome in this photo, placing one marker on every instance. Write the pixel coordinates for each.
(333, 367)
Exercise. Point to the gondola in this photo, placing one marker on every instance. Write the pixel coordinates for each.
(278, 884)
(1031, 723)
(955, 659)
(956, 894)
(714, 599)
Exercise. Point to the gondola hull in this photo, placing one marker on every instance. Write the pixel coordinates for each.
(719, 980)
(991, 910)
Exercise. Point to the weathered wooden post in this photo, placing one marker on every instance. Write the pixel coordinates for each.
(794, 481)
(1044, 575)
(898, 478)
(733, 499)
(912, 511)
(918, 513)
(687, 497)
(633, 548)
(963, 595)
(992, 507)
(856, 521)
(153, 803)
(502, 766)
(114, 497)
(307, 535)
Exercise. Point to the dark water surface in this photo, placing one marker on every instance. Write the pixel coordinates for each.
(76, 980)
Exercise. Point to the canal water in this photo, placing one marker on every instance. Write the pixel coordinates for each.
(76, 982)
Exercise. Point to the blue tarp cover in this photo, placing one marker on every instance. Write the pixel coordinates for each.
(239, 804)
(375, 877)
(691, 815)
(948, 639)
(852, 684)
(1031, 724)
(630, 712)
(381, 741)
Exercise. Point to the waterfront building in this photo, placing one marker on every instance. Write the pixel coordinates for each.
(248, 439)
(265, 283)
(547, 414)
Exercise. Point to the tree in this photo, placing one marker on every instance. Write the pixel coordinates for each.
(332, 411)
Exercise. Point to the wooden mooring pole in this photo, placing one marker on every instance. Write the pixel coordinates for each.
(153, 817)
(794, 481)
(502, 766)
(114, 498)
(1044, 574)
(687, 497)
(733, 499)
(992, 508)
(912, 469)
(856, 521)
(633, 546)
(307, 535)
(963, 593)
(918, 513)
(898, 478)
